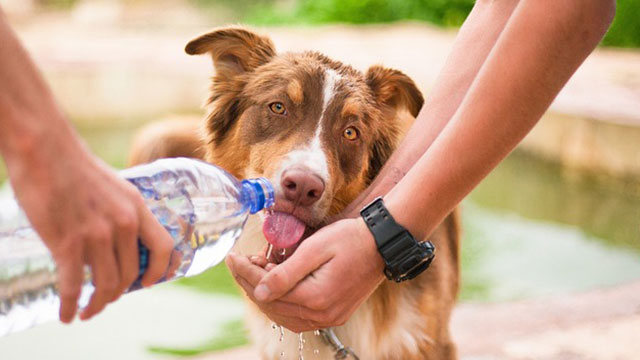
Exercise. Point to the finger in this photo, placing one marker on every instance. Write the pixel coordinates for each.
(295, 324)
(258, 260)
(174, 264)
(270, 266)
(127, 254)
(245, 269)
(230, 264)
(71, 276)
(248, 288)
(248, 275)
(281, 307)
(281, 279)
(105, 275)
(160, 245)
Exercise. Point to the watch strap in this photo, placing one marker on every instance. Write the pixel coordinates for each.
(380, 222)
(404, 257)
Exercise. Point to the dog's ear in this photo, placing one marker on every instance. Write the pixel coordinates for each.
(394, 89)
(394, 92)
(234, 50)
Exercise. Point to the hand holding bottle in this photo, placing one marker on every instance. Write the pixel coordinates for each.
(97, 225)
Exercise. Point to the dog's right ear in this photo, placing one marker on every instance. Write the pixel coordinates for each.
(234, 50)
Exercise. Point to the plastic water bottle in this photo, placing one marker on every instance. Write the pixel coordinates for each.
(203, 207)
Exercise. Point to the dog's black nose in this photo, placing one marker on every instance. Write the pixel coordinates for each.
(301, 186)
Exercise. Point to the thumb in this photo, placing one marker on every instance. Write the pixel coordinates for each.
(160, 244)
(284, 277)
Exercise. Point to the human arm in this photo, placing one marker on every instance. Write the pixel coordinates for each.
(82, 210)
(541, 45)
(473, 43)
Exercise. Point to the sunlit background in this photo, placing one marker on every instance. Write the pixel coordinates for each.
(559, 216)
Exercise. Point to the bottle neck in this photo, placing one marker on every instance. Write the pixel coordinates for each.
(258, 194)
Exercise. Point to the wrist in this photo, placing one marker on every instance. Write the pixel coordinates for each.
(368, 246)
(30, 130)
(404, 257)
(31, 151)
(407, 216)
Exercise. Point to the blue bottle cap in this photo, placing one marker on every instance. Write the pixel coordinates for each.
(259, 194)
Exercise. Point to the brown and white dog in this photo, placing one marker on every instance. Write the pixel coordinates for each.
(320, 131)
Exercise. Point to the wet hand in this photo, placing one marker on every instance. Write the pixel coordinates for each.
(321, 284)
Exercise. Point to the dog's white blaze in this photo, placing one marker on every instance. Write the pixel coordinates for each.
(313, 155)
(331, 77)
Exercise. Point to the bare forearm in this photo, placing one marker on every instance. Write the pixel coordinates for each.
(541, 47)
(472, 45)
(28, 113)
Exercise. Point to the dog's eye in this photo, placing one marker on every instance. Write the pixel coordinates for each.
(277, 108)
(350, 133)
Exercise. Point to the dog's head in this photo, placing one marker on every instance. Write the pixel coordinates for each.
(318, 129)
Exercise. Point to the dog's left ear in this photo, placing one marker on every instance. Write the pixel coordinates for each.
(394, 89)
(394, 92)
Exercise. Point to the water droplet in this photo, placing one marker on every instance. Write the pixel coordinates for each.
(283, 252)
(274, 326)
(316, 332)
(269, 249)
(300, 346)
(316, 351)
(281, 354)
(281, 333)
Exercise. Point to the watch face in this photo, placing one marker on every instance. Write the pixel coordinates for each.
(413, 264)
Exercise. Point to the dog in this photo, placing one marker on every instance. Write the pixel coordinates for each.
(320, 131)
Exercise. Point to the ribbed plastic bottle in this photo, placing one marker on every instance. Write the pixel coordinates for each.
(203, 207)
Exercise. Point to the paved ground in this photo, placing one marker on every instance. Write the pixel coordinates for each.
(599, 325)
(167, 316)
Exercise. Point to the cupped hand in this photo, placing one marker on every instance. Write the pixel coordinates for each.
(86, 214)
(321, 284)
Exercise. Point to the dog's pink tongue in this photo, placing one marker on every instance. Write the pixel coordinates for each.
(282, 230)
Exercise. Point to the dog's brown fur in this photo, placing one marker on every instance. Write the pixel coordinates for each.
(399, 321)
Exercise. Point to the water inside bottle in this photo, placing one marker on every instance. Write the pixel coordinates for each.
(204, 224)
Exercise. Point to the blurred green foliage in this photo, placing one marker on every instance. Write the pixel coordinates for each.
(440, 12)
(233, 334)
(625, 30)
(217, 280)
(57, 4)
(3, 171)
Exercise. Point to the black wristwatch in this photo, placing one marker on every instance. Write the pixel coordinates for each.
(404, 256)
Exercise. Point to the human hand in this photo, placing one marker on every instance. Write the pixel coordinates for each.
(321, 284)
(86, 214)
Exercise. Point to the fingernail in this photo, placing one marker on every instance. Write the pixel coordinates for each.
(262, 293)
